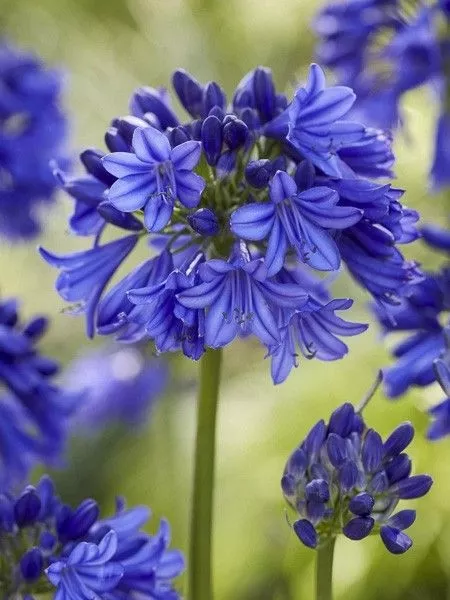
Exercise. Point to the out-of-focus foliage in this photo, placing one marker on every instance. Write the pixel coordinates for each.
(109, 47)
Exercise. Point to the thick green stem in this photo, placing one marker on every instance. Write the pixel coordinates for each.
(200, 579)
(324, 572)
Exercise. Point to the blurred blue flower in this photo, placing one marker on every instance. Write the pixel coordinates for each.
(423, 315)
(343, 479)
(382, 50)
(228, 200)
(52, 548)
(33, 129)
(34, 412)
(116, 385)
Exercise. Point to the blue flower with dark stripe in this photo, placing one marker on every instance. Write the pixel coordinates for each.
(154, 176)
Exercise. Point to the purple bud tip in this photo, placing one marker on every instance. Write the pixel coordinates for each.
(317, 491)
(361, 504)
(413, 487)
(341, 420)
(358, 528)
(395, 540)
(306, 533)
(399, 439)
(31, 565)
(204, 222)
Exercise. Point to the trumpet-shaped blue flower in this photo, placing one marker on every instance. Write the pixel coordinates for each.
(343, 479)
(85, 274)
(52, 548)
(32, 132)
(154, 177)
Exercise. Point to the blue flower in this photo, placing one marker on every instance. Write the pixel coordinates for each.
(154, 177)
(85, 274)
(116, 385)
(343, 479)
(52, 548)
(298, 221)
(88, 571)
(32, 132)
(313, 125)
(239, 299)
(34, 412)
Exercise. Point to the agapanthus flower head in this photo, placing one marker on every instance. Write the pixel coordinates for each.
(32, 132)
(117, 385)
(230, 201)
(49, 547)
(383, 49)
(344, 479)
(34, 411)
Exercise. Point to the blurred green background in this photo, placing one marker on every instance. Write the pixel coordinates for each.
(107, 48)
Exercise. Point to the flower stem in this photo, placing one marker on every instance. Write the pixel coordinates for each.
(324, 572)
(200, 579)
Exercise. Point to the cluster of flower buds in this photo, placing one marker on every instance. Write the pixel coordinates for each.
(344, 479)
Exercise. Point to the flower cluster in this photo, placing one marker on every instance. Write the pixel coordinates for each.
(32, 133)
(241, 203)
(424, 315)
(116, 385)
(344, 479)
(384, 48)
(48, 546)
(34, 412)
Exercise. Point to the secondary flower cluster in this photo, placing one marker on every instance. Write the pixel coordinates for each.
(117, 384)
(49, 547)
(242, 202)
(344, 479)
(384, 48)
(424, 315)
(32, 132)
(34, 412)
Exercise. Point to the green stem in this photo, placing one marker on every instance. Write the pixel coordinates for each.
(200, 579)
(324, 572)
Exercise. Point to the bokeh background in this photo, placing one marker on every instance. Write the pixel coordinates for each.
(106, 48)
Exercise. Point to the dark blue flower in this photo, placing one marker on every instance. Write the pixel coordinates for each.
(154, 176)
(116, 385)
(32, 132)
(343, 479)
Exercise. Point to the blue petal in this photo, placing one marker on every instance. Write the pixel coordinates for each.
(150, 145)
